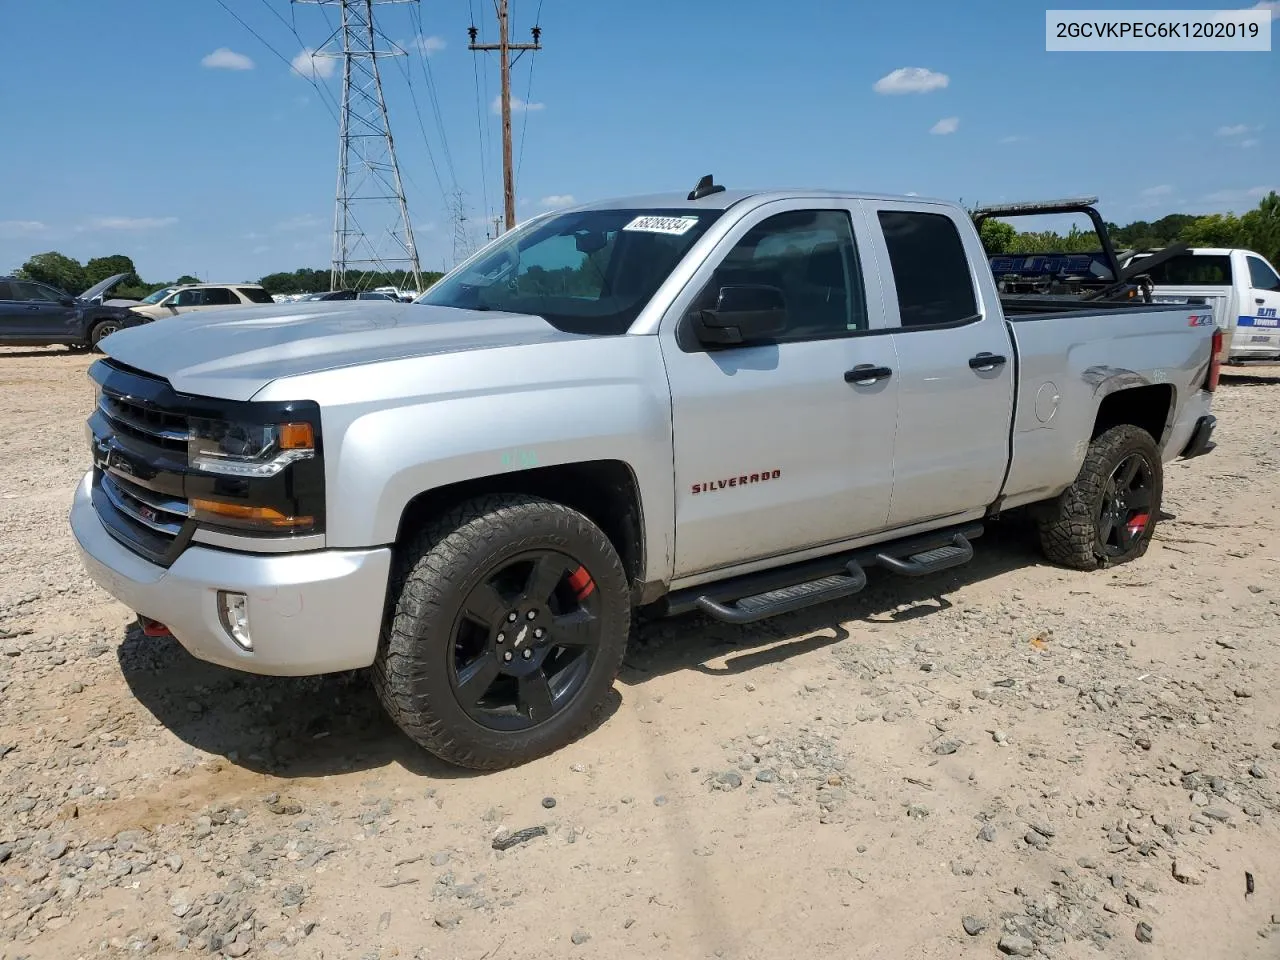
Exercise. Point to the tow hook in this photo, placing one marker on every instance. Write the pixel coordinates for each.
(153, 628)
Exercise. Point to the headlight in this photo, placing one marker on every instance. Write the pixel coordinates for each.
(247, 450)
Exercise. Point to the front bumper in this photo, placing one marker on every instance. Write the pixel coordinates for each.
(309, 613)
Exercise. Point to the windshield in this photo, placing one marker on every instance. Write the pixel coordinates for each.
(158, 295)
(586, 272)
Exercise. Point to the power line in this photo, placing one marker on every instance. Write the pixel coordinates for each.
(292, 25)
(480, 118)
(424, 63)
(528, 96)
(280, 56)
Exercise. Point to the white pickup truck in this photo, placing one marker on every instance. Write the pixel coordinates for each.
(1241, 288)
(727, 401)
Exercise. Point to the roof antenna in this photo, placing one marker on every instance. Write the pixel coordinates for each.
(706, 186)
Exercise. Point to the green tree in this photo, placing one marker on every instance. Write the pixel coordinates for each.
(1214, 230)
(997, 236)
(57, 270)
(1261, 227)
(99, 268)
(185, 278)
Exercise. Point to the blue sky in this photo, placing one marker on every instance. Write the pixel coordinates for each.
(166, 131)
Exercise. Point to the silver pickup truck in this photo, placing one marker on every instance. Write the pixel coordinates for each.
(729, 402)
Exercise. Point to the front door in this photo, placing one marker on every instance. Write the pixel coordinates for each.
(955, 401)
(1261, 308)
(776, 449)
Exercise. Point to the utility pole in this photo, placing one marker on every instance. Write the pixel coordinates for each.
(504, 46)
(369, 189)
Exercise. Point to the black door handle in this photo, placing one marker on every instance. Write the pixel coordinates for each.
(867, 373)
(987, 361)
(1259, 301)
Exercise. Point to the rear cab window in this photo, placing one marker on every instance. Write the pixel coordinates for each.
(930, 269)
(1261, 276)
(255, 294)
(1192, 270)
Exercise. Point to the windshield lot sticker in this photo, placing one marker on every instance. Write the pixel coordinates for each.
(675, 226)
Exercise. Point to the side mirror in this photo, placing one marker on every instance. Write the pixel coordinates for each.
(743, 314)
(67, 301)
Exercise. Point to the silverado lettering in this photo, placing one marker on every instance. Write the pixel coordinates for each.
(739, 481)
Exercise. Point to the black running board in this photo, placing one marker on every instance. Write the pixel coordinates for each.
(954, 554)
(768, 593)
(772, 603)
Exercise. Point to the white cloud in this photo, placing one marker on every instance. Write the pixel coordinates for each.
(517, 105)
(313, 65)
(21, 228)
(428, 45)
(1272, 5)
(1251, 142)
(1233, 131)
(1013, 138)
(226, 59)
(557, 200)
(1249, 195)
(910, 80)
(306, 221)
(1163, 190)
(946, 125)
(129, 223)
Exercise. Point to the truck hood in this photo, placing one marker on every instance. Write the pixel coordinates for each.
(232, 354)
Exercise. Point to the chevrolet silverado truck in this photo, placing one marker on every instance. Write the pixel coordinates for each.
(729, 402)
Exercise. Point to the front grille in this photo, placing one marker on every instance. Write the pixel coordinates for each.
(140, 457)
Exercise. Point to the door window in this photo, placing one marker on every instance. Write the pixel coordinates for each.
(220, 297)
(28, 291)
(809, 255)
(187, 298)
(930, 269)
(1261, 276)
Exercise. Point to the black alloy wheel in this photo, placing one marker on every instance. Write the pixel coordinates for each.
(1124, 512)
(524, 640)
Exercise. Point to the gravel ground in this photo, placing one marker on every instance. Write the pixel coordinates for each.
(1009, 759)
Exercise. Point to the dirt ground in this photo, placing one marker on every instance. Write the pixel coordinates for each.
(1005, 758)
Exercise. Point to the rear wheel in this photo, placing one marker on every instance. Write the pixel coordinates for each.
(508, 622)
(1108, 515)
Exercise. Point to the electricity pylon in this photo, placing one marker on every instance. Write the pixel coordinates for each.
(369, 187)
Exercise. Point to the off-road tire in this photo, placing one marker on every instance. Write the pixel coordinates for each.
(1069, 529)
(436, 568)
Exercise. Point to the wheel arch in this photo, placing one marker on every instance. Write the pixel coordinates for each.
(605, 491)
(1149, 406)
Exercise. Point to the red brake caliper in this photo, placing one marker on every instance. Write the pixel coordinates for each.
(581, 584)
(1138, 524)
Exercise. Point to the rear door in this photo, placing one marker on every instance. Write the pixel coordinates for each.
(41, 315)
(779, 446)
(13, 315)
(1261, 308)
(955, 364)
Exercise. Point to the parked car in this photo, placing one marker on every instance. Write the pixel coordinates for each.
(329, 295)
(378, 295)
(170, 301)
(729, 402)
(37, 315)
(1241, 287)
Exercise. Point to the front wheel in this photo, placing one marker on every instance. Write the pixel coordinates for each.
(101, 329)
(1108, 515)
(507, 623)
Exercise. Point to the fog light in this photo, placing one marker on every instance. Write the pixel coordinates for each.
(233, 611)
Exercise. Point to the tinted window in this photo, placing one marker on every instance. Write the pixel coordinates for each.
(930, 268)
(255, 294)
(591, 271)
(188, 298)
(1261, 276)
(4, 290)
(220, 297)
(1192, 270)
(811, 257)
(27, 291)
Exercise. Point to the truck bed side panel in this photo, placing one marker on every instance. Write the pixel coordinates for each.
(1069, 363)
